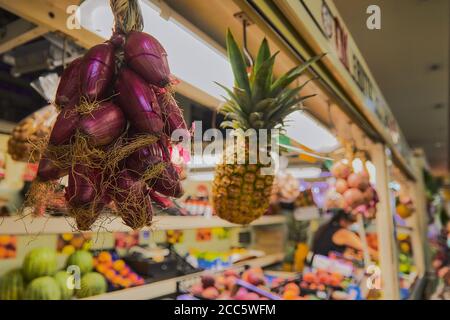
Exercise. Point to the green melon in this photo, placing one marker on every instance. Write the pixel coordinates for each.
(83, 259)
(12, 285)
(92, 284)
(39, 262)
(61, 278)
(43, 288)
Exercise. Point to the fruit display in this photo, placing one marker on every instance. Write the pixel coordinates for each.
(352, 191)
(116, 271)
(92, 284)
(43, 288)
(39, 262)
(23, 144)
(231, 285)
(12, 285)
(219, 260)
(112, 137)
(241, 193)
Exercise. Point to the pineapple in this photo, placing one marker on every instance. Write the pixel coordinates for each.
(241, 193)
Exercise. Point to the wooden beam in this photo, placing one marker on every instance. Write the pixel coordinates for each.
(385, 226)
(18, 33)
(52, 15)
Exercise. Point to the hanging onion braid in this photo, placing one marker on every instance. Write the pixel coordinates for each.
(128, 15)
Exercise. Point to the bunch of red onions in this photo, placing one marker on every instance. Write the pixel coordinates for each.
(112, 136)
(357, 194)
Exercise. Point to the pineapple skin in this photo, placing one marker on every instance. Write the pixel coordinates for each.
(241, 194)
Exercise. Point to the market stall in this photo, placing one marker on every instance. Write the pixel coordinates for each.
(260, 246)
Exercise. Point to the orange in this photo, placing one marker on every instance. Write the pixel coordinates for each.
(4, 240)
(124, 272)
(119, 265)
(105, 257)
(292, 287)
(289, 295)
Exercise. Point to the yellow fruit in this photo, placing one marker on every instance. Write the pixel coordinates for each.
(67, 236)
(68, 250)
(241, 194)
(118, 265)
(403, 211)
(4, 240)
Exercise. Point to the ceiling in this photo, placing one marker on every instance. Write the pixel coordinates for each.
(409, 58)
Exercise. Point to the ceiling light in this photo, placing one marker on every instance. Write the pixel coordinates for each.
(305, 129)
(191, 58)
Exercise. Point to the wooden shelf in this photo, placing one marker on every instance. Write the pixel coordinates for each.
(53, 225)
(167, 287)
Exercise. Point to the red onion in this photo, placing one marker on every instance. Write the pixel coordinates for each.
(168, 182)
(97, 71)
(172, 115)
(84, 186)
(146, 56)
(69, 85)
(160, 200)
(104, 125)
(131, 197)
(139, 103)
(65, 126)
(140, 161)
(48, 171)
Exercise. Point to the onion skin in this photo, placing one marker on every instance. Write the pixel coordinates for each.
(172, 114)
(48, 171)
(139, 103)
(104, 125)
(168, 182)
(160, 200)
(65, 127)
(140, 161)
(84, 186)
(147, 57)
(69, 86)
(131, 198)
(97, 71)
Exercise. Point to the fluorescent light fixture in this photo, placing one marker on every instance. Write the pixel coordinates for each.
(303, 128)
(191, 58)
(304, 173)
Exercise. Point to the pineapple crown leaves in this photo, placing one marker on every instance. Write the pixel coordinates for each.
(258, 101)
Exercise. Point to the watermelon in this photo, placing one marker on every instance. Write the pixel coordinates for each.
(92, 284)
(43, 288)
(83, 259)
(62, 278)
(39, 262)
(12, 285)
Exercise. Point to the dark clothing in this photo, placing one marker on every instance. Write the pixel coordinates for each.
(323, 240)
